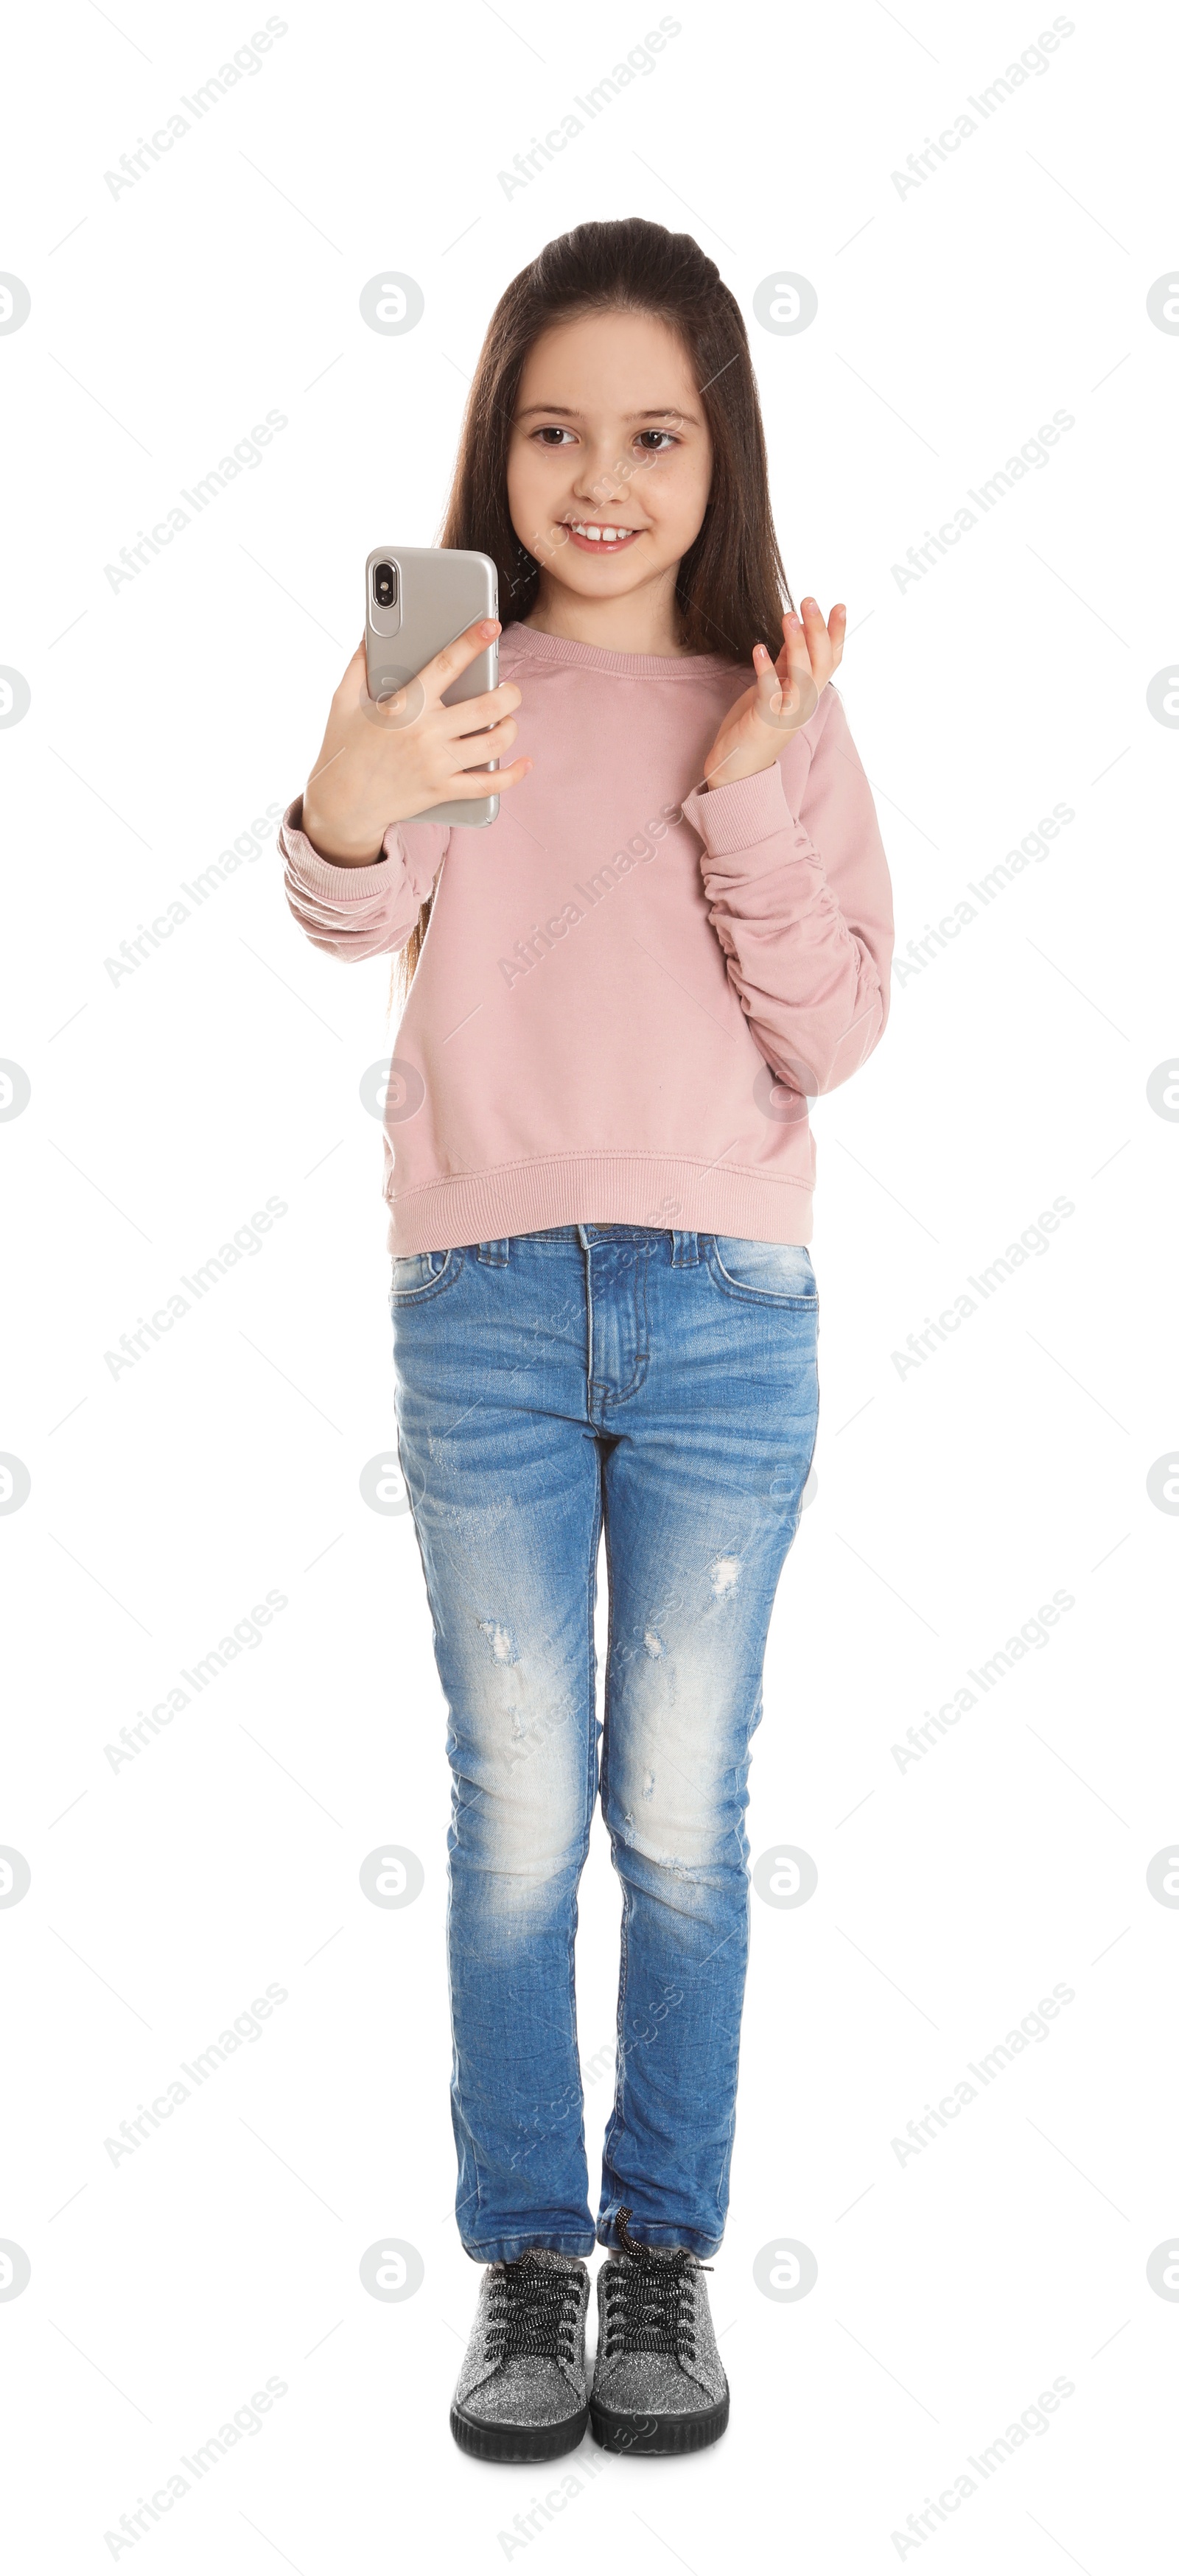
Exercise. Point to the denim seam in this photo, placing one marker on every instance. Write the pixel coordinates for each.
(589, 1782)
(550, 2241)
(444, 1278)
(815, 1441)
(768, 1297)
(587, 1276)
(617, 2122)
(655, 2233)
(722, 2186)
(622, 1395)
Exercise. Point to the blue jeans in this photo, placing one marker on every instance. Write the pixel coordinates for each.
(663, 1385)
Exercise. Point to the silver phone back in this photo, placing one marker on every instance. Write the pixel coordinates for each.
(441, 590)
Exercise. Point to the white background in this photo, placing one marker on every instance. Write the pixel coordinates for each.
(952, 1501)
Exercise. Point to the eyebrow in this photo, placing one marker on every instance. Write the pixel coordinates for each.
(667, 411)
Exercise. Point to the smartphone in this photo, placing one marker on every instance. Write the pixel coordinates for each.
(416, 599)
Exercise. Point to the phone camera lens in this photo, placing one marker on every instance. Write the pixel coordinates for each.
(385, 585)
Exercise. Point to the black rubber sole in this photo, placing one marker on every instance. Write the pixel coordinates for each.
(648, 2435)
(486, 2441)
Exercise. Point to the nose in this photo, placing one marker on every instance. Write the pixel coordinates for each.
(604, 477)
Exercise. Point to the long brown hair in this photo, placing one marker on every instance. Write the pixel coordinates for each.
(731, 585)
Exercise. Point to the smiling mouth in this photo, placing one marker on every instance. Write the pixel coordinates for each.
(595, 536)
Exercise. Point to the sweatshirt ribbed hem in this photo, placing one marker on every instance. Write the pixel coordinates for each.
(660, 1190)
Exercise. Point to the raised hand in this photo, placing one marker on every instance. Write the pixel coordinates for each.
(784, 695)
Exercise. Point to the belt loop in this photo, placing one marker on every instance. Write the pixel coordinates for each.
(497, 1253)
(685, 1249)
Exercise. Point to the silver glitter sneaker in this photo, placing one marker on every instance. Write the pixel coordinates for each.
(522, 2391)
(658, 2381)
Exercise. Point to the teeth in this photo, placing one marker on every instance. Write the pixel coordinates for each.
(601, 536)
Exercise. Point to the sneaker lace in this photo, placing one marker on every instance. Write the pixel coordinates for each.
(648, 2303)
(534, 2310)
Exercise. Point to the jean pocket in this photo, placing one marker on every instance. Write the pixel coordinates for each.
(419, 1275)
(769, 1274)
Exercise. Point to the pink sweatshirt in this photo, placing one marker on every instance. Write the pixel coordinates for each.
(628, 987)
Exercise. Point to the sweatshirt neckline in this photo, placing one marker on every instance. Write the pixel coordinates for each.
(595, 657)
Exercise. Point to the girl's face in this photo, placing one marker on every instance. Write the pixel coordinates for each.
(609, 433)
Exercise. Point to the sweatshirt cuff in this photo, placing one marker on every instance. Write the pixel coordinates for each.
(747, 811)
(320, 876)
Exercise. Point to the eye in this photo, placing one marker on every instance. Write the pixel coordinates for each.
(664, 435)
(551, 430)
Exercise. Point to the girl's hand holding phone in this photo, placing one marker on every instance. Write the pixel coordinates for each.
(384, 761)
(784, 695)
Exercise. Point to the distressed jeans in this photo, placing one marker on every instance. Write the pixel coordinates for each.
(662, 1386)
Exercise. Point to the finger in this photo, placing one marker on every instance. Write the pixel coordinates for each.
(769, 686)
(470, 713)
(794, 666)
(476, 782)
(819, 646)
(512, 775)
(825, 638)
(814, 627)
(487, 742)
(437, 676)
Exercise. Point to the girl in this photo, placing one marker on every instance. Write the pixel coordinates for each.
(599, 1173)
